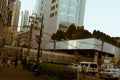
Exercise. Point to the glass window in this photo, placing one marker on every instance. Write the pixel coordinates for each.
(56, 5)
(63, 13)
(64, 5)
(52, 14)
(53, 1)
(93, 65)
(72, 14)
(53, 7)
(73, 0)
(72, 7)
(108, 71)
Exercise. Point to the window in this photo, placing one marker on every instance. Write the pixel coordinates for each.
(52, 14)
(63, 13)
(41, 8)
(53, 1)
(53, 7)
(42, 2)
(72, 7)
(72, 14)
(65, 5)
(55, 12)
(56, 5)
(93, 65)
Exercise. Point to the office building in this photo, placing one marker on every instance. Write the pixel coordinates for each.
(15, 16)
(59, 14)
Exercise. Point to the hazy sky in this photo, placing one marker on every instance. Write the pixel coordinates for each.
(103, 15)
(27, 4)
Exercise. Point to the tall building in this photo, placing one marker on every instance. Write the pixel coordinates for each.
(60, 14)
(3, 16)
(24, 19)
(6, 7)
(15, 17)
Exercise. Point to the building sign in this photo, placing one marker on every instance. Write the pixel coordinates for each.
(113, 61)
(110, 60)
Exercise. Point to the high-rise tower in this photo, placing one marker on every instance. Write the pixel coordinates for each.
(60, 14)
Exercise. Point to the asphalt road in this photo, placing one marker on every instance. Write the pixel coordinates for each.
(11, 73)
(91, 77)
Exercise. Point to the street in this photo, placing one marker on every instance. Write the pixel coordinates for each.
(90, 77)
(11, 73)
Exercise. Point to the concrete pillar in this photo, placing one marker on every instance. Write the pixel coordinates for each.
(96, 56)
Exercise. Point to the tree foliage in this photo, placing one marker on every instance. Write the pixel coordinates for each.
(104, 37)
(70, 32)
(74, 32)
(59, 35)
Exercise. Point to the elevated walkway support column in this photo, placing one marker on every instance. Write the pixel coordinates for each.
(96, 56)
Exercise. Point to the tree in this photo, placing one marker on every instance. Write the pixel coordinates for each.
(82, 33)
(70, 32)
(59, 35)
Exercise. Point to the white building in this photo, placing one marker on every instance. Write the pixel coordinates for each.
(86, 44)
(60, 14)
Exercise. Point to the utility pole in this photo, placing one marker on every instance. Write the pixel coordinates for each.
(39, 43)
(101, 53)
(29, 40)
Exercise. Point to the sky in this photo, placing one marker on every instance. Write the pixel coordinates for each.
(27, 4)
(102, 15)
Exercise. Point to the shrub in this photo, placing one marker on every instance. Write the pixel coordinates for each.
(60, 71)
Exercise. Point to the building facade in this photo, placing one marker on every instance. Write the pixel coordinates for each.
(15, 16)
(59, 14)
(6, 7)
(24, 19)
(62, 13)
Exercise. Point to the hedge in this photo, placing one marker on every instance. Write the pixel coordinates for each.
(60, 71)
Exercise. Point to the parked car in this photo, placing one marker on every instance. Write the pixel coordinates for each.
(92, 67)
(110, 74)
(73, 65)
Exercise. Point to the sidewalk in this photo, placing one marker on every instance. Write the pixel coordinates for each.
(11, 73)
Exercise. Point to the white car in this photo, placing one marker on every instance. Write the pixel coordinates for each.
(73, 65)
(92, 67)
(110, 74)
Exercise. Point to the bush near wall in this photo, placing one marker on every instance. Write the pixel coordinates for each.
(60, 71)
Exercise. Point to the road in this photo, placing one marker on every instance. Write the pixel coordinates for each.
(91, 77)
(11, 73)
